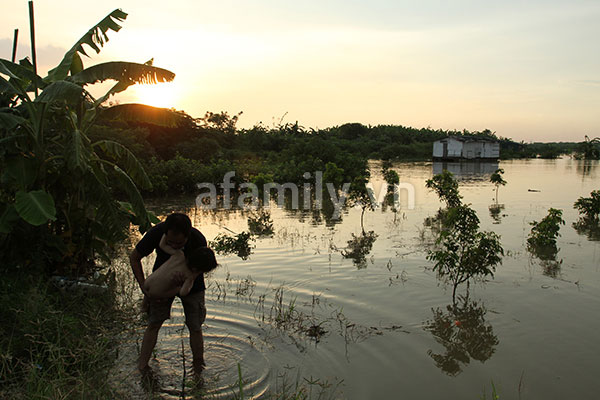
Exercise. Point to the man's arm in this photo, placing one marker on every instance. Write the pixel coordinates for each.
(135, 259)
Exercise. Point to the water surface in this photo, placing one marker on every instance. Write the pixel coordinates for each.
(382, 326)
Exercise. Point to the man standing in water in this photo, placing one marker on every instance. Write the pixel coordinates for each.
(179, 235)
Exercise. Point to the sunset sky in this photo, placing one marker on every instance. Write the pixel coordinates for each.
(526, 70)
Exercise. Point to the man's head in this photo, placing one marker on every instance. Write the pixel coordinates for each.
(178, 228)
(202, 259)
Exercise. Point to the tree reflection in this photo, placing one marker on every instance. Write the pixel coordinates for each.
(359, 247)
(496, 212)
(589, 229)
(464, 333)
(260, 223)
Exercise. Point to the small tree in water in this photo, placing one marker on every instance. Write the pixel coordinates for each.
(589, 207)
(446, 187)
(542, 238)
(589, 215)
(497, 180)
(464, 252)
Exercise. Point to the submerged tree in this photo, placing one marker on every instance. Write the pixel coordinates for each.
(59, 189)
(589, 149)
(446, 187)
(497, 180)
(589, 215)
(359, 247)
(541, 241)
(463, 252)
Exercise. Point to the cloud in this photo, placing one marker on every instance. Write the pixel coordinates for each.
(47, 56)
(588, 82)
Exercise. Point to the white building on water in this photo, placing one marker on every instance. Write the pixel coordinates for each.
(466, 148)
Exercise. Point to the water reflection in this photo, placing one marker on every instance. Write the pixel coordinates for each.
(496, 212)
(548, 259)
(586, 168)
(359, 248)
(467, 170)
(464, 333)
(590, 229)
(260, 223)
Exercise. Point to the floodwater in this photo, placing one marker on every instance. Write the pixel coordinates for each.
(373, 321)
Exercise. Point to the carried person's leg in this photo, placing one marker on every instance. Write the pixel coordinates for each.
(159, 310)
(195, 314)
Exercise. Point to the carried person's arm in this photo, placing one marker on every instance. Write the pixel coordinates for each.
(187, 286)
(165, 247)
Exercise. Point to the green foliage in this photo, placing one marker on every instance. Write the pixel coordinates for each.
(238, 244)
(588, 149)
(589, 207)
(359, 247)
(497, 180)
(543, 235)
(55, 345)
(589, 216)
(63, 186)
(260, 223)
(446, 187)
(464, 252)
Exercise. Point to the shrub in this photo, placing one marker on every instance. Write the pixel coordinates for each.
(464, 252)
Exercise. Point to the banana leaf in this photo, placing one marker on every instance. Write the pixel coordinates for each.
(35, 207)
(95, 38)
(132, 166)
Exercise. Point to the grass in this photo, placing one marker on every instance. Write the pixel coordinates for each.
(53, 344)
(301, 389)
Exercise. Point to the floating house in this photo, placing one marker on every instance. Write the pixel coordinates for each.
(466, 148)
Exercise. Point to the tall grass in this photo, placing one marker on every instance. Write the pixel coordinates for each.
(55, 345)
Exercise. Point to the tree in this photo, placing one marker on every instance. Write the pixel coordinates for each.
(589, 207)
(497, 180)
(58, 187)
(589, 149)
(464, 252)
(541, 241)
(446, 187)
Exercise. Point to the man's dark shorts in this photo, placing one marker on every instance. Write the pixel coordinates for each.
(193, 307)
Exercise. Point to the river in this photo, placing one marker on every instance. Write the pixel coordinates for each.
(376, 322)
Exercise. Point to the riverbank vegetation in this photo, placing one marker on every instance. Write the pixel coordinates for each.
(67, 198)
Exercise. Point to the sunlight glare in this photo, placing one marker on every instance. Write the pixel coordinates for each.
(158, 95)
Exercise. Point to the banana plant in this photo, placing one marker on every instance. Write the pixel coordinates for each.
(54, 177)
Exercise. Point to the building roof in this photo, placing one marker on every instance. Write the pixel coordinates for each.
(469, 139)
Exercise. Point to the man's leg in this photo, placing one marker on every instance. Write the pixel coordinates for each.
(195, 314)
(197, 345)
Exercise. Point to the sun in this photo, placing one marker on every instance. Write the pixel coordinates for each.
(158, 95)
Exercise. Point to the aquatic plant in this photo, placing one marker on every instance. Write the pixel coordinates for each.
(446, 187)
(462, 251)
(497, 180)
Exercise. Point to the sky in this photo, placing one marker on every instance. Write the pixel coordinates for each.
(527, 70)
